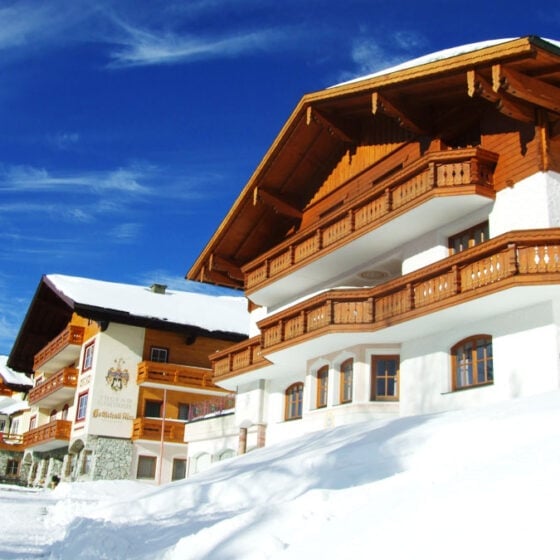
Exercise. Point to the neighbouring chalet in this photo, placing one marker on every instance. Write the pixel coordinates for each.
(14, 387)
(118, 370)
(399, 245)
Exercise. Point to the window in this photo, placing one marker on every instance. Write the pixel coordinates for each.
(146, 467)
(3, 425)
(65, 412)
(158, 354)
(472, 362)
(14, 426)
(82, 406)
(183, 411)
(88, 356)
(52, 417)
(384, 378)
(469, 238)
(346, 380)
(179, 469)
(86, 462)
(12, 467)
(152, 409)
(322, 386)
(294, 401)
(32, 423)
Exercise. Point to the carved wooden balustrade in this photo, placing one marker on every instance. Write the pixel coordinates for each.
(448, 172)
(174, 374)
(55, 430)
(518, 258)
(67, 377)
(151, 428)
(211, 407)
(71, 335)
(238, 358)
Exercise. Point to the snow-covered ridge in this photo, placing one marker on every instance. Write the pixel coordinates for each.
(478, 483)
(436, 56)
(210, 312)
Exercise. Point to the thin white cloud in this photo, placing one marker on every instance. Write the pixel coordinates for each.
(371, 55)
(125, 232)
(140, 47)
(64, 140)
(28, 178)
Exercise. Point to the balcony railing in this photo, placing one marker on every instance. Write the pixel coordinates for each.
(449, 172)
(70, 336)
(65, 378)
(241, 357)
(211, 407)
(11, 442)
(513, 259)
(151, 428)
(53, 431)
(174, 374)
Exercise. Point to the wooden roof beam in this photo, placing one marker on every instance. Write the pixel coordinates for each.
(315, 116)
(280, 206)
(478, 86)
(381, 103)
(219, 264)
(215, 277)
(524, 87)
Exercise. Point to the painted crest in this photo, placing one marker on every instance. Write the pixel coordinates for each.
(117, 377)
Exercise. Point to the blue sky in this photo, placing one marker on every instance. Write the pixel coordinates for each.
(129, 127)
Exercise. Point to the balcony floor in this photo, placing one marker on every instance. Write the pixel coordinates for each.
(324, 272)
(294, 357)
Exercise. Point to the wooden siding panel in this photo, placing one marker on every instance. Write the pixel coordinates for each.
(180, 351)
(518, 147)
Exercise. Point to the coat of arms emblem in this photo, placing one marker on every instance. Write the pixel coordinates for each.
(117, 377)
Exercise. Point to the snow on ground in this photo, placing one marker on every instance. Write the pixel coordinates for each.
(481, 483)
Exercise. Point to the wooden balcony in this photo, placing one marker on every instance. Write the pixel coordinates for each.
(61, 351)
(519, 258)
(57, 389)
(211, 408)
(50, 436)
(11, 442)
(151, 428)
(437, 174)
(176, 376)
(245, 356)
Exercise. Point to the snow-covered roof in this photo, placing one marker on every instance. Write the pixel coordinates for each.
(12, 377)
(10, 406)
(210, 312)
(438, 55)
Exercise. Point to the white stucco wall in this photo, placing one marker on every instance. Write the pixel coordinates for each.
(525, 349)
(531, 203)
(111, 407)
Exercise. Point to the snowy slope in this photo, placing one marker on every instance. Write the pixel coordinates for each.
(481, 483)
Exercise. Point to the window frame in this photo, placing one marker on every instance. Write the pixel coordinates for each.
(81, 406)
(346, 381)
(87, 360)
(472, 235)
(293, 397)
(151, 475)
(487, 362)
(12, 467)
(153, 402)
(322, 392)
(374, 395)
(155, 350)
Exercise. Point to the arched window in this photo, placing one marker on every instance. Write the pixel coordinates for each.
(322, 386)
(294, 401)
(346, 380)
(472, 362)
(65, 412)
(53, 415)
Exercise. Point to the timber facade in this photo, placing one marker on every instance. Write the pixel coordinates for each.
(113, 389)
(399, 246)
